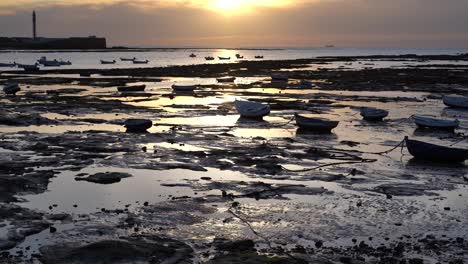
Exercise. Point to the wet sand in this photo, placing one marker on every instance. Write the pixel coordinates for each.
(207, 186)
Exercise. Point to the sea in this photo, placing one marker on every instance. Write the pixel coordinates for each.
(172, 57)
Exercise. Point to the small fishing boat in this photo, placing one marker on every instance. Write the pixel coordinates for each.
(11, 88)
(258, 57)
(315, 123)
(128, 59)
(62, 62)
(29, 67)
(249, 109)
(52, 63)
(456, 101)
(277, 77)
(373, 114)
(209, 58)
(183, 88)
(132, 88)
(239, 56)
(226, 79)
(193, 55)
(304, 84)
(431, 152)
(7, 64)
(428, 122)
(138, 125)
(140, 61)
(224, 58)
(85, 74)
(108, 62)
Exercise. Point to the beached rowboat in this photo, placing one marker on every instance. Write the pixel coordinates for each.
(428, 122)
(11, 88)
(224, 58)
(132, 88)
(315, 124)
(373, 114)
(108, 62)
(456, 101)
(249, 109)
(183, 88)
(140, 62)
(226, 79)
(138, 125)
(431, 152)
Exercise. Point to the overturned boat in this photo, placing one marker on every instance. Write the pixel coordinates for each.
(138, 125)
(11, 88)
(249, 109)
(315, 123)
(428, 122)
(432, 152)
(226, 79)
(184, 88)
(108, 62)
(456, 101)
(132, 88)
(373, 114)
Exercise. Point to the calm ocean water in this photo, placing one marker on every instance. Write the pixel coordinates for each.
(167, 57)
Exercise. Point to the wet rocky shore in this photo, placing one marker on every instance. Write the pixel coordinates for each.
(205, 186)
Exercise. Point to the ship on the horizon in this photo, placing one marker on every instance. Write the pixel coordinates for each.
(35, 42)
(329, 46)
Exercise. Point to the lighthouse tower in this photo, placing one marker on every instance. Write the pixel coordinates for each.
(34, 24)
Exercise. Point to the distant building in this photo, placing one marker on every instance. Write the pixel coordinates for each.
(91, 42)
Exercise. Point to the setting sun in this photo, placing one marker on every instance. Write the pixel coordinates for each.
(227, 4)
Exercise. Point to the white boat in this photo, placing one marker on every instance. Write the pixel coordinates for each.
(11, 88)
(277, 77)
(140, 61)
(224, 58)
(315, 123)
(249, 109)
(226, 79)
(183, 88)
(429, 122)
(456, 101)
(127, 59)
(373, 114)
(7, 64)
(305, 84)
(108, 62)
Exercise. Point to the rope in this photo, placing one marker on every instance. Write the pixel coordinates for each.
(331, 164)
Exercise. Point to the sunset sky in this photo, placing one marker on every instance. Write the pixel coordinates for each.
(246, 23)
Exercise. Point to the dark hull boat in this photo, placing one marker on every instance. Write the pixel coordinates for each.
(427, 151)
(320, 125)
(138, 125)
(134, 88)
(373, 114)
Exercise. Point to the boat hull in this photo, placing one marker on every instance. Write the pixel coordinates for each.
(138, 125)
(137, 88)
(425, 122)
(373, 114)
(315, 124)
(252, 110)
(456, 101)
(431, 152)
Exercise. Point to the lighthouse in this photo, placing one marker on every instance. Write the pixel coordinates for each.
(34, 24)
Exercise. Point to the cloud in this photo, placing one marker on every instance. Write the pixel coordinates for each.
(397, 23)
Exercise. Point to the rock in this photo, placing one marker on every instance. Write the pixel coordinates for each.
(59, 217)
(105, 177)
(134, 249)
(235, 246)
